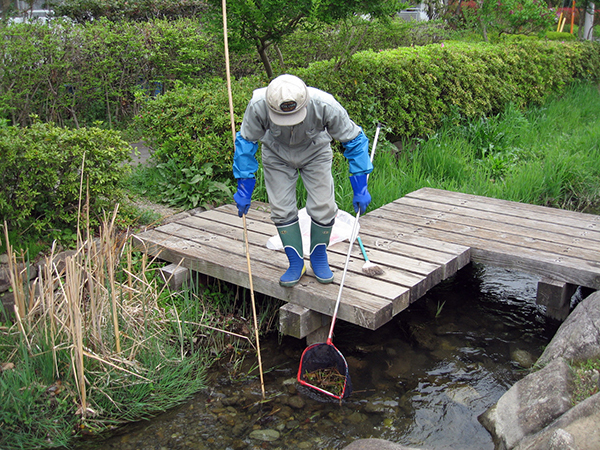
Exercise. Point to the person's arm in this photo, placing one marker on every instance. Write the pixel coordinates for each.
(356, 149)
(356, 152)
(245, 166)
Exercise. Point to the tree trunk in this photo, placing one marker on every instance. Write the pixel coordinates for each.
(262, 51)
(280, 56)
(588, 24)
(483, 29)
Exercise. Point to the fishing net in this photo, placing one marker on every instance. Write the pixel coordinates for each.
(323, 367)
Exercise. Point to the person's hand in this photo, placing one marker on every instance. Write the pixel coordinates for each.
(243, 196)
(361, 198)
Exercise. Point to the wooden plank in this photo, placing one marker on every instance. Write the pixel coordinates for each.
(436, 259)
(574, 219)
(500, 253)
(417, 279)
(488, 230)
(227, 262)
(527, 226)
(394, 291)
(400, 261)
(418, 240)
(383, 236)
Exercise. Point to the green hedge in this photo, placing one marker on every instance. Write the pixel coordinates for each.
(192, 125)
(411, 90)
(40, 174)
(77, 74)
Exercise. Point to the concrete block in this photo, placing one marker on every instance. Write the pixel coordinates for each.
(174, 276)
(318, 336)
(297, 321)
(556, 296)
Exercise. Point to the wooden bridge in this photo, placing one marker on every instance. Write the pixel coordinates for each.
(419, 240)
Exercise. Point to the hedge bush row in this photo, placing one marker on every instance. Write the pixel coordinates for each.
(140, 10)
(75, 74)
(410, 90)
(41, 175)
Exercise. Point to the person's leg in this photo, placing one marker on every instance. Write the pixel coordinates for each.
(318, 181)
(319, 240)
(291, 238)
(280, 181)
(321, 207)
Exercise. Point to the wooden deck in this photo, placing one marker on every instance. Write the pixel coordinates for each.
(419, 240)
(552, 243)
(212, 243)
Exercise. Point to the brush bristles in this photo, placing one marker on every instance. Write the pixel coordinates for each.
(372, 270)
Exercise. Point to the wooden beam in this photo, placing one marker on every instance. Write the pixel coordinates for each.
(175, 275)
(556, 297)
(298, 321)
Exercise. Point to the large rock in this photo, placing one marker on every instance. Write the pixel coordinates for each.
(531, 404)
(28, 272)
(578, 338)
(577, 429)
(376, 444)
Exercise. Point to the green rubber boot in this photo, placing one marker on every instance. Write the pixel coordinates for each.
(319, 240)
(291, 237)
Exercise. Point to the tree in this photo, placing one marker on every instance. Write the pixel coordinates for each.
(116, 10)
(264, 23)
(508, 16)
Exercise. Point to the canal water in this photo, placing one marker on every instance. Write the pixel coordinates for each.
(421, 380)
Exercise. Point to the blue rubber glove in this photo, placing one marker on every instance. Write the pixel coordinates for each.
(243, 196)
(362, 198)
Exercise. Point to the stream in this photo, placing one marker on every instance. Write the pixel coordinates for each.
(421, 380)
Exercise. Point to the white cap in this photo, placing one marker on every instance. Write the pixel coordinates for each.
(287, 97)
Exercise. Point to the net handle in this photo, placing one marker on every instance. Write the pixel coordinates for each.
(352, 239)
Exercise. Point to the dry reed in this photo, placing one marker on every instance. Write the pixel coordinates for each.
(75, 298)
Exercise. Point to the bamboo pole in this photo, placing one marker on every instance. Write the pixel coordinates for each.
(559, 21)
(227, 72)
(231, 116)
(108, 230)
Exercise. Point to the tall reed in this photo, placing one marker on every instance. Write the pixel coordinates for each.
(99, 340)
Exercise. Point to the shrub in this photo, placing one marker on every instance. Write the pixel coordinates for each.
(412, 90)
(40, 174)
(559, 36)
(75, 74)
(78, 74)
(87, 10)
(191, 125)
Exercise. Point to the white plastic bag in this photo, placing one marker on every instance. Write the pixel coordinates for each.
(341, 231)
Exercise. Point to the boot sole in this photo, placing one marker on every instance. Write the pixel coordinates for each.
(293, 282)
(324, 280)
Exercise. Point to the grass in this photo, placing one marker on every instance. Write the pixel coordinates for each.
(587, 379)
(103, 342)
(548, 155)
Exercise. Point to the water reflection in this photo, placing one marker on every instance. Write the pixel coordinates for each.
(420, 380)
